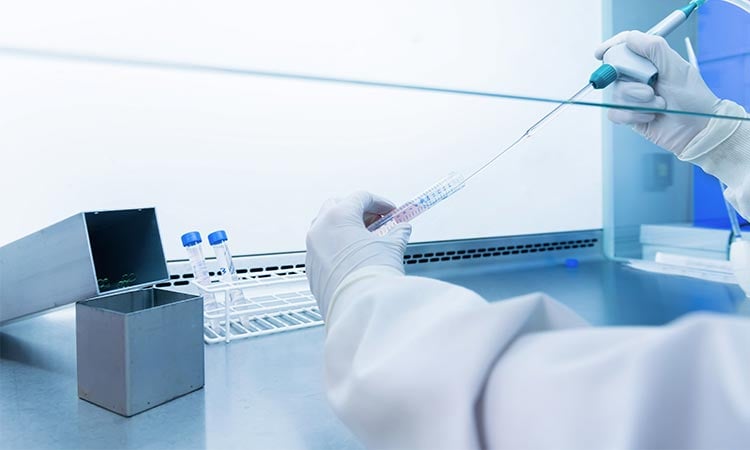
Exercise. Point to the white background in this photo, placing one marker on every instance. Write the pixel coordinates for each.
(257, 156)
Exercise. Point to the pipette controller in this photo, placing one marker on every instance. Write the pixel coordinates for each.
(619, 63)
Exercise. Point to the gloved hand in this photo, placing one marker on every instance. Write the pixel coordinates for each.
(678, 87)
(338, 243)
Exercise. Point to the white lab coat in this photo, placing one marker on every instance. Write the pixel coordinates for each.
(415, 363)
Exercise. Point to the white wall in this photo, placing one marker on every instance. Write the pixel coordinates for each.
(257, 156)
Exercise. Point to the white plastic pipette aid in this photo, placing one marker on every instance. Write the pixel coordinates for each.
(619, 62)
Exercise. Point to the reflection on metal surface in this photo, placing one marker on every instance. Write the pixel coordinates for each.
(682, 270)
(285, 372)
(634, 297)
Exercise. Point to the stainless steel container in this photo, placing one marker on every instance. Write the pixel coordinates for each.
(81, 257)
(139, 349)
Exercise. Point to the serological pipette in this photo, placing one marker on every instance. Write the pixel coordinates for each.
(619, 62)
(433, 195)
(454, 182)
(549, 117)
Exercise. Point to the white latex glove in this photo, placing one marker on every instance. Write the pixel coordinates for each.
(679, 87)
(338, 243)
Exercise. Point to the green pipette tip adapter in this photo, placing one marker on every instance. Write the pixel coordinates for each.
(692, 6)
(603, 76)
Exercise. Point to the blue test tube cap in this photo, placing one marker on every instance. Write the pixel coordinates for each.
(217, 237)
(191, 238)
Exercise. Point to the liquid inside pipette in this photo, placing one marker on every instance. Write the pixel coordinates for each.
(536, 127)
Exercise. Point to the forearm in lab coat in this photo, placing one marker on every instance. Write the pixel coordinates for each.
(723, 150)
(685, 385)
(407, 358)
(416, 363)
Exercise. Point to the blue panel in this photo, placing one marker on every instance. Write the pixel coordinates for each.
(723, 30)
(724, 57)
(729, 77)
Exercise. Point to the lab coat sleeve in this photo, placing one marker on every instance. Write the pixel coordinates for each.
(722, 149)
(680, 386)
(414, 363)
(407, 358)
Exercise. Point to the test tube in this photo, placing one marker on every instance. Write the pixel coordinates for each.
(191, 241)
(227, 272)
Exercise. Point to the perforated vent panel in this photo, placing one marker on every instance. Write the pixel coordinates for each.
(183, 279)
(579, 244)
(500, 251)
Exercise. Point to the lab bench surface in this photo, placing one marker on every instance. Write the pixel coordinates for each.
(268, 392)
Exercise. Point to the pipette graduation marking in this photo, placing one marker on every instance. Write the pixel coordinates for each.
(436, 193)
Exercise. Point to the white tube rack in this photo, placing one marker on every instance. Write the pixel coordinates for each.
(269, 305)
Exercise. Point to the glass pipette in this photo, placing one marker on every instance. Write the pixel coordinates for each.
(537, 126)
(436, 193)
(454, 182)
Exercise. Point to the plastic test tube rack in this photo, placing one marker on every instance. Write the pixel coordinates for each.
(273, 304)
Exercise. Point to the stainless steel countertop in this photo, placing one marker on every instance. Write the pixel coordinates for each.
(268, 392)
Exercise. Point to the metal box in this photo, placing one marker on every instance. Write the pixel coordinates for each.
(81, 257)
(139, 349)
